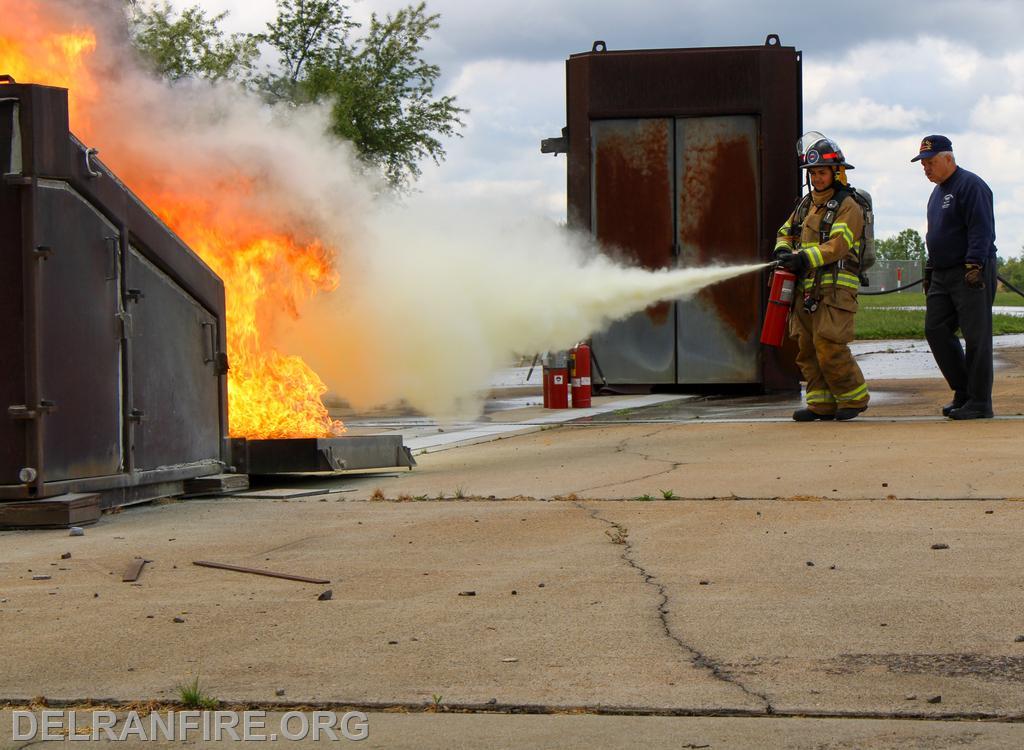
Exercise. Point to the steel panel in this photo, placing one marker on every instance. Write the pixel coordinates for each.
(80, 346)
(717, 215)
(301, 455)
(631, 197)
(176, 391)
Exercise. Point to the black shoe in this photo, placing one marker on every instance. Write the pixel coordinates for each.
(969, 412)
(806, 415)
(848, 413)
(956, 403)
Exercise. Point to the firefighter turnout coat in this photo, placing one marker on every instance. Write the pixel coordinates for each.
(822, 320)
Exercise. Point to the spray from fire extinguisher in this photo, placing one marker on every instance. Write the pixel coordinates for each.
(780, 300)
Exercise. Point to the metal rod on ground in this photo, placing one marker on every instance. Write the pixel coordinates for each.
(1010, 286)
(258, 572)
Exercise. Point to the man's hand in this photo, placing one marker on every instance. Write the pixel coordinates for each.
(926, 281)
(974, 276)
(795, 262)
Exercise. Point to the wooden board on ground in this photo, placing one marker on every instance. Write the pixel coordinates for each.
(72, 509)
(134, 570)
(289, 493)
(217, 484)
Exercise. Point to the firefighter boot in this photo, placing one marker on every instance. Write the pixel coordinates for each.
(848, 413)
(806, 415)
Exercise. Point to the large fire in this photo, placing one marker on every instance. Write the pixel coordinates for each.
(267, 271)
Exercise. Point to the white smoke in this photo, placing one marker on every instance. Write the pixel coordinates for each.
(441, 295)
(434, 296)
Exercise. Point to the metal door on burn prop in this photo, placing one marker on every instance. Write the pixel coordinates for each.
(680, 192)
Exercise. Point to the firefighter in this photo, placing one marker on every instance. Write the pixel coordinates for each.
(820, 243)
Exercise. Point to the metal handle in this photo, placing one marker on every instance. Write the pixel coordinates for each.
(7, 79)
(213, 342)
(89, 153)
(112, 244)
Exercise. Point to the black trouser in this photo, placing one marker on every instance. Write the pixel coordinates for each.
(951, 304)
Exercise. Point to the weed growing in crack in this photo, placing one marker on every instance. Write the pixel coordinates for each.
(617, 534)
(191, 695)
(378, 494)
(645, 497)
(459, 493)
(668, 494)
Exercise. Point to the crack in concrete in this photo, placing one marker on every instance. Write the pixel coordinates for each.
(621, 448)
(429, 707)
(697, 658)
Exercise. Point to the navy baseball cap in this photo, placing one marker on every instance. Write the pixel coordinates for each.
(933, 144)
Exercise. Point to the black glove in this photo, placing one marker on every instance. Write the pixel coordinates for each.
(795, 262)
(778, 252)
(974, 276)
(926, 280)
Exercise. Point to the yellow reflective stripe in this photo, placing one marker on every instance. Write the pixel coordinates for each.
(844, 230)
(782, 244)
(820, 397)
(784, 229)
(814, 256)
(856, 394)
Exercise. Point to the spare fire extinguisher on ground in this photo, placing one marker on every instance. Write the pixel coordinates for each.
(780, 300)
(556, 380)
(579, 373)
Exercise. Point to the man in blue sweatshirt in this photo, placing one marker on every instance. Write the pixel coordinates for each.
(959, 278)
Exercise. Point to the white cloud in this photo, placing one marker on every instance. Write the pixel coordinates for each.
(865, 114)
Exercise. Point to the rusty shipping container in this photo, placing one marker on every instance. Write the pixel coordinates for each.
(112, 341)
(677, 158)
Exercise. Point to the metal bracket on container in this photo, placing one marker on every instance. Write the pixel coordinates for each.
(556, 145)
(599, 46)
(134, 295)
(46, 406)
(136, 415)
(7, 79)
(772, 40)
(220, 365)
(42, 252)
(213, 342)
(89, 153)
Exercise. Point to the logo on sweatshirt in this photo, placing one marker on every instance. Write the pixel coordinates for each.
(947, 200)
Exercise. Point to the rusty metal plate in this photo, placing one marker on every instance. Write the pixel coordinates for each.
(632, 197)
(718, 221)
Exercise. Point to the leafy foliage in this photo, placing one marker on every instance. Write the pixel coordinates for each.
(907, 245)
(1012, 270)
(191, 45)
(380, 88)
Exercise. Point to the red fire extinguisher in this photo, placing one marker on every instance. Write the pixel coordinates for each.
(556, 380)
(780, 300)
(579, 369)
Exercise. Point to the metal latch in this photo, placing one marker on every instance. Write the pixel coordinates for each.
(136, 415)
(20, 411)
(134, 295)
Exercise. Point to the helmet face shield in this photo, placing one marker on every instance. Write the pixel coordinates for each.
(815, 149)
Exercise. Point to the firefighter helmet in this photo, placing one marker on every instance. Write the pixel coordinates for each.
(815, 150)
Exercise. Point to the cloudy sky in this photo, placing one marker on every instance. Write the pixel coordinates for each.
(878, 75)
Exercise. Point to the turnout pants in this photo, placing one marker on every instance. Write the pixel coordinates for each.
(951, 304)
(834, 379)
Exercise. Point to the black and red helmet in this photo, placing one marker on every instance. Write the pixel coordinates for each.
(815, 150)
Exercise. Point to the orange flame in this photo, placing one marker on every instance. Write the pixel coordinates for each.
(267, 272)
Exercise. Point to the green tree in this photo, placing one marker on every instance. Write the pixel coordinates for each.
(190, 45)
(380, 88)
(907, 245)
(1012, 269)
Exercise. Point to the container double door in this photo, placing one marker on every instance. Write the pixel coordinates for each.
(681, 192)
(127, 357)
